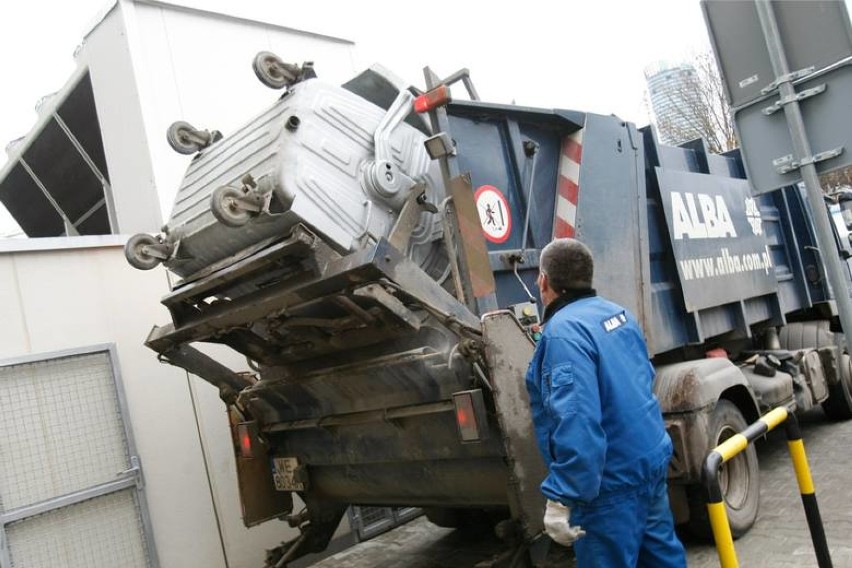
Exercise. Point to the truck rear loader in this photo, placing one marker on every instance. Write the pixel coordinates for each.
(372, 250)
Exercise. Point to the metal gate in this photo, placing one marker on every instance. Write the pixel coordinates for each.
(373, 521)
(70, 481)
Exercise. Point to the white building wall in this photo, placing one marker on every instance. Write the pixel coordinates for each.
(59, 299)
(196, 66)
(245, 548)
(153, 63)
(106, 56)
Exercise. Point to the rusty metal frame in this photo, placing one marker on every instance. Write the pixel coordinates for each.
(508, 352)
(108, 200)
(379, 263)
(478, 281)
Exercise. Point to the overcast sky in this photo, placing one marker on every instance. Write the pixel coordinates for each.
(587, 55)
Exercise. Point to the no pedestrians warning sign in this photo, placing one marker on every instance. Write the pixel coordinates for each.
(494, 214)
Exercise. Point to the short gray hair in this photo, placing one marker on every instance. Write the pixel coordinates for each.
(568, 265)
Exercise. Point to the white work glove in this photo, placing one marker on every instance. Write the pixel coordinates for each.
(557, 524)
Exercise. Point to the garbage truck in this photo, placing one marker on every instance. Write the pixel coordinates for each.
(371, 249)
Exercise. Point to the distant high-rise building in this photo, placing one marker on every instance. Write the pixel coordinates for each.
(673, 101)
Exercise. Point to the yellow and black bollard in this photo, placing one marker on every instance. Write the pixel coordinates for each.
(806, 488)
(736, 444)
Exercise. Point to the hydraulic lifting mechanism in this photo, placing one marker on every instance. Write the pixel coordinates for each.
(322, 241)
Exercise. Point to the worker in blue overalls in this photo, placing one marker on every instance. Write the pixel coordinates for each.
(598, 424)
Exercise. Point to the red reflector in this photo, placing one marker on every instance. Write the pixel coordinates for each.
(244, 435)
(466, 417)
(462, 417)
(438, 96)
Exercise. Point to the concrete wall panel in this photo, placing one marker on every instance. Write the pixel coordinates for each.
(76, 298)
(196, 66)
(14, 336)
(115, 84)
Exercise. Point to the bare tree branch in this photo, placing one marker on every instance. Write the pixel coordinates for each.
(694, 106)
(836, 180)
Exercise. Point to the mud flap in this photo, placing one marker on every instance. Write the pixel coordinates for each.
(259, 499)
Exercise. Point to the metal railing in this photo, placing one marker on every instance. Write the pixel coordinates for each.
(738, 443)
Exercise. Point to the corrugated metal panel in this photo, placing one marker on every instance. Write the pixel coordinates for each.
(313, 170)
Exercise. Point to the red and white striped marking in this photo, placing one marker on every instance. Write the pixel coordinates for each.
(568, 186)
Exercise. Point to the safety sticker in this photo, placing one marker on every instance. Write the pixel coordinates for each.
(494, 214)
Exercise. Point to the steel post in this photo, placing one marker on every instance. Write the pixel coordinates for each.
(5, 557)
(803, 153)
(107, 188)
(70, 230)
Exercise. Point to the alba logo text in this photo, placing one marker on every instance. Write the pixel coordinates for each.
(613, 323)
(700, 216)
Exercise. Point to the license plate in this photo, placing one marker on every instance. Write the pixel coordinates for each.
(286, 474)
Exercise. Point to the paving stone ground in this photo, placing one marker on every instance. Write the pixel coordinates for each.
(779, 539)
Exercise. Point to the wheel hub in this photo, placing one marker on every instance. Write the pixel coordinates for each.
(733, 476)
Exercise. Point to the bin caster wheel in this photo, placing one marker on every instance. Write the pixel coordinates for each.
(227, 206)
(184, 138)
(145, 252)
(272, 71)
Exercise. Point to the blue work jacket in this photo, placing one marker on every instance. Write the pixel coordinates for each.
(598, 425)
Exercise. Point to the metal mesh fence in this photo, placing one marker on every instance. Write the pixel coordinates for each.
(404, 514)
(61, 429)
(371, 521)
(373, 515)
(100, 533)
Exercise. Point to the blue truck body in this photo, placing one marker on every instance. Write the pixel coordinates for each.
(620, 217)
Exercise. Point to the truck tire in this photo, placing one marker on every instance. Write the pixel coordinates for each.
(816, 335)
(806, 335)
(838, 406)
(445, 517)
(474, 521)
(739, 479)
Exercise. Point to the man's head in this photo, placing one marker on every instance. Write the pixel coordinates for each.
(565, 264)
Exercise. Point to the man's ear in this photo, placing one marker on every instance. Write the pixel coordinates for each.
(545, 282)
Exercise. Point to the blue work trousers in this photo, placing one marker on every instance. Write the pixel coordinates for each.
(629, 529)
